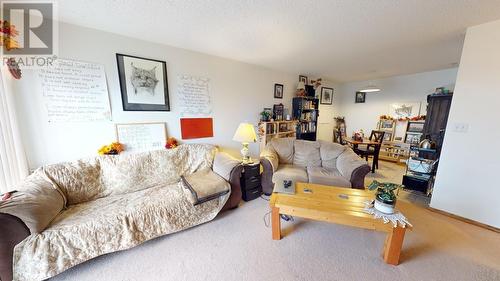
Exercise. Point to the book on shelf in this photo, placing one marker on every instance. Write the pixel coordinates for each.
(307, 127)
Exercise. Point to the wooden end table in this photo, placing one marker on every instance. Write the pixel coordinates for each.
(336, 205)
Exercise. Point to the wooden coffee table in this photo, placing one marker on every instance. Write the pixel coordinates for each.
(336, 205)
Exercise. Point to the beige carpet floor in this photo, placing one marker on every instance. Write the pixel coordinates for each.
(238, 246)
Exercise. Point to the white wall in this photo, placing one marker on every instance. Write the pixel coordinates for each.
(239, 92)
(467, 180)
(406, 88)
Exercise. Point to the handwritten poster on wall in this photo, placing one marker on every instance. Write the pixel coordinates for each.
(138, 137)
(194, 96)
(75, 91)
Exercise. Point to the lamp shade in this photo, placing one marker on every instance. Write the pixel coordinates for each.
(301, 85)
(245, 133)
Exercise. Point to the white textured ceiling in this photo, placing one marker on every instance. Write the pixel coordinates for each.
(342, 40)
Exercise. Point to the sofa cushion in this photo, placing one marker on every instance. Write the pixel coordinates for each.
(80, 180)
(290, 172)
(327, 176)
(284, 149)
(307, 154)
(329, 152)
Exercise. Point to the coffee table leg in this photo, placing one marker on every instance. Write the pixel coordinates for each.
(393, 244)
(276, 223)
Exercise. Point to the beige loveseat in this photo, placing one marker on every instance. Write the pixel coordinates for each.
(65, 214)
(318, 162)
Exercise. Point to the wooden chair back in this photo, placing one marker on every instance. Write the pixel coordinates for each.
(377, 136)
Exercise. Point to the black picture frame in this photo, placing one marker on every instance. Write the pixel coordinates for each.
(326, 96)
(278, 111)
(303, 78)
(129, 105)
(278, 91)
(360, 97)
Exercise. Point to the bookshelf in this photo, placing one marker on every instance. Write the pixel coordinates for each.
(305, 111)
(276, 129)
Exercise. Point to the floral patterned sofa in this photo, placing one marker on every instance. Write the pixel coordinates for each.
(68, 213)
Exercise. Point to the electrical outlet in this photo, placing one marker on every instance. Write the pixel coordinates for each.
(460, 127)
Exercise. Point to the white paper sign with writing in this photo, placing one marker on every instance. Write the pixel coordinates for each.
(138, 137)
(194, 96)
(75, 91)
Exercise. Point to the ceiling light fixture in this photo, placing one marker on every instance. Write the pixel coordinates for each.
(370, 89)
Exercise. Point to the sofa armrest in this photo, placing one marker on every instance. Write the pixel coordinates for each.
(271, 156)
(12, 231)
(28, 211)
(36, 202)
(358, 176)
(266, 179)
(352, 167)
(230, 169)
(235, 197)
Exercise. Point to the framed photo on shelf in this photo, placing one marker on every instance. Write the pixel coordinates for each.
(303, 78)
(278, 91)
(326, 95)
(278, 112)
(143, 83)
(360, 97)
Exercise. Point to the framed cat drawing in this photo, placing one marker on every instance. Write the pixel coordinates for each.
(143, 83)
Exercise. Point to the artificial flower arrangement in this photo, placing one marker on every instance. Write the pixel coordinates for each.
(415, 118)
(171, 143)
(111, 149)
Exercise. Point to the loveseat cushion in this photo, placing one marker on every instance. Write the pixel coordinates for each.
(329, 152)
(327, 176)
(290, 172)
(284, 149)
(307, 154)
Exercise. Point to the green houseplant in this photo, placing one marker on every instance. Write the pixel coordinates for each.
(265, 116)
(385, 196)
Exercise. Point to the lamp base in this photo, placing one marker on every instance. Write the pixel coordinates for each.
(245, 153)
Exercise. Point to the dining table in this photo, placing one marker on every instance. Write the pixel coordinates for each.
(368, 143)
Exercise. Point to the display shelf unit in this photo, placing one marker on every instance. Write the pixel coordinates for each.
(413, 134)
(389, 127)
(306, 111)
(276, 129)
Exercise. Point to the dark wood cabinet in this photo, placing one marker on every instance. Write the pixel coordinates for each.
(251, 187)
(438, 109)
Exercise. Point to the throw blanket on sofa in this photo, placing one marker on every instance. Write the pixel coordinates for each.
(115, 203)
(204, 186)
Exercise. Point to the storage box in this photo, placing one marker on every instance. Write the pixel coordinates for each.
(420, 165)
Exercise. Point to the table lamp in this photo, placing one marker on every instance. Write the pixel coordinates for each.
(245, 134)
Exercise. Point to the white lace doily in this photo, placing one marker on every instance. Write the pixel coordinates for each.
(395, 218)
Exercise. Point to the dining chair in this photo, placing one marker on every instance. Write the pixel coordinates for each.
(372, 150)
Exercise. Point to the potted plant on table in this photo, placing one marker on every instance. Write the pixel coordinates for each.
(385, 197)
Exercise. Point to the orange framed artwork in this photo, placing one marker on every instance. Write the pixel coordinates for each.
(195, 128)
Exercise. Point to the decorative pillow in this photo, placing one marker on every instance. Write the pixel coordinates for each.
(80, 181)
(329, 152)
(36, 202)
(307, 154)
(284, 148)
